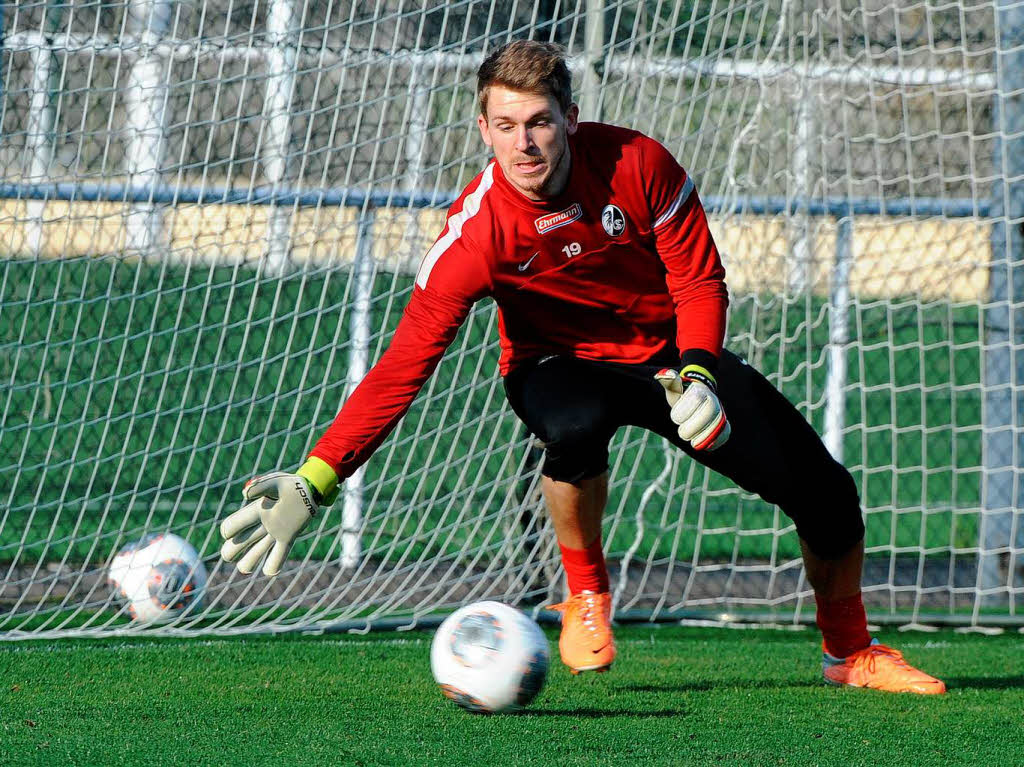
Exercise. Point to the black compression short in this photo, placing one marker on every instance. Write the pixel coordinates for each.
(575, 407)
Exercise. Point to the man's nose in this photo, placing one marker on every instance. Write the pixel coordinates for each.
(523, 139)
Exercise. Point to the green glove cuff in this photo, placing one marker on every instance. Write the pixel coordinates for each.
(322, 477)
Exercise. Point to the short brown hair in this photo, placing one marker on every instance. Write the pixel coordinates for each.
(528, 66)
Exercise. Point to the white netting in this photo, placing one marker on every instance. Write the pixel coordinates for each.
(209, 218)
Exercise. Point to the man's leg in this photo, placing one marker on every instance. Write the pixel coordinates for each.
(576, 509)
(775, 453)
(570, 405)
(586, 642)
(850, 656)
(834, 579)
(836, 583)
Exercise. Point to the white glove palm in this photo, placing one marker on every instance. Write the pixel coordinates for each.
(696, 409)
(279, 506)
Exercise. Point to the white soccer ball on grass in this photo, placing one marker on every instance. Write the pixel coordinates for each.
(158, 577)
(489, 658)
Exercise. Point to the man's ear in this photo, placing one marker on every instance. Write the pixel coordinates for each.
(481, 123)
(572, 119)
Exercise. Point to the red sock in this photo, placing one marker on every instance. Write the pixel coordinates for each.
(585, 569)
(844, 625)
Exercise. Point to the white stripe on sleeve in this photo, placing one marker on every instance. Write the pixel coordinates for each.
(470, 207)
(677, 203)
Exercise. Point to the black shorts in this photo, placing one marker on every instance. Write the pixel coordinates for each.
(575, 407)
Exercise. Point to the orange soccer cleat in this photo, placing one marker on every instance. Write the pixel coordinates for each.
(586, 643)
(880, 668)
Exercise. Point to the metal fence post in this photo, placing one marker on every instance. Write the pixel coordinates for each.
(37, 140)
(1003, 381)
(358, 364)
(145, 99)
(838, 337)
(277, 136)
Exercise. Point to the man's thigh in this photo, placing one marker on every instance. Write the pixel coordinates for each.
(769, 437)
(775, 453)
(575, 407)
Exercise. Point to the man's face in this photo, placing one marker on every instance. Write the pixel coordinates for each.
(530, 138)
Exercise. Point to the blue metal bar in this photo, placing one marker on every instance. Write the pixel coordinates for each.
(109, 191)
(841, 207)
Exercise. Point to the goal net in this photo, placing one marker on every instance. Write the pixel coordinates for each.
(210, 216)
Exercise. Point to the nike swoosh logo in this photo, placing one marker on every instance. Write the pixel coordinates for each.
(526, 264)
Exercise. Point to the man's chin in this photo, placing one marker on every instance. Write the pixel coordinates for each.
(530, 185)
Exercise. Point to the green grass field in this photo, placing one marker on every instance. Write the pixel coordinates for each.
(140, 396)
(676, 696)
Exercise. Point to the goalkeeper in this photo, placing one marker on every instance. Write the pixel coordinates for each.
(593, 243)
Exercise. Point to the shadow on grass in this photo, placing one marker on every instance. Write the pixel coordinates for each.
(597, 713)
(984, 682)
(706, 686)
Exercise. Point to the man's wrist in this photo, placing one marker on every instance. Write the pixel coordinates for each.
(702, 361)
(322, 477)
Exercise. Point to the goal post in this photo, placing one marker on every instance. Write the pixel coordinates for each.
(210, 218)
(1002, 534)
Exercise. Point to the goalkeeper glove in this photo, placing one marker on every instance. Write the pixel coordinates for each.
(279, 505)
(696, 409)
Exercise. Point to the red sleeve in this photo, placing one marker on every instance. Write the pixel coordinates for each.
(696, 277)
(447, 285)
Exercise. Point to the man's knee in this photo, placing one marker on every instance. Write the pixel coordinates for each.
(574, 449)
(827, 513)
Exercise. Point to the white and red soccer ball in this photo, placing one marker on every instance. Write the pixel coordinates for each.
(158, 578)
(489, 658)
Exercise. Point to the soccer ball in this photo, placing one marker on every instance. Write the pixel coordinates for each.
(489, 657)
(158, 577)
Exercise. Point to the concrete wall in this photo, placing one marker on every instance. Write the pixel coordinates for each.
(933, 258)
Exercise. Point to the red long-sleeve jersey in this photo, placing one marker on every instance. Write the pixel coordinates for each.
(618, 267)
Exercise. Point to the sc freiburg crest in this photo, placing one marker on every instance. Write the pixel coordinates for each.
(613, 220)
